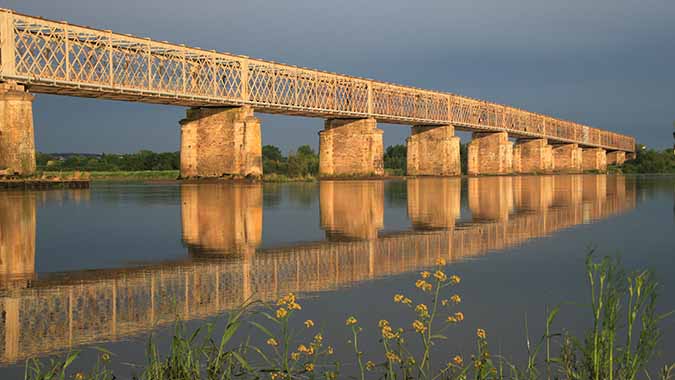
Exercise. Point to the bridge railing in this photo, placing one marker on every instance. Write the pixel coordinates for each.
(57, 57)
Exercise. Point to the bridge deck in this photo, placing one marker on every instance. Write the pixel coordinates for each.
(60, 58)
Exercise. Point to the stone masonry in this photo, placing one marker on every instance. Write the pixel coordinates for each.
(594, 159)
(433, 150)
(616, 157)
(567, 158)
(532, 156)
(17, 140)
(350, 147)
(220, 142)
(490, 153)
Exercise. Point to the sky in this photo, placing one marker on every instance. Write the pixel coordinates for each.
(606, 63)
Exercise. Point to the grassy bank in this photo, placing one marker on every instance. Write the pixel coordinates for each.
(620, 344)
(114, 175)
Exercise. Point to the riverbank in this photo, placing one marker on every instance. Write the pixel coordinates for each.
(43, 184)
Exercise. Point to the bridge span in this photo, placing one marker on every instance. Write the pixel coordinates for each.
(220, 134)
(222, 232)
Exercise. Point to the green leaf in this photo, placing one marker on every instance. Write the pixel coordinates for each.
(262, 328)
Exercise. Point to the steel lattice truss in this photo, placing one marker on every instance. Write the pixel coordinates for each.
(60, 58)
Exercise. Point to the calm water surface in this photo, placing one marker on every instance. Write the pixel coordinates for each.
(111, 265)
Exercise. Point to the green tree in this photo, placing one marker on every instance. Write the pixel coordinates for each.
(273, 161)
(463, 157)
(304, 162)
(395, 159)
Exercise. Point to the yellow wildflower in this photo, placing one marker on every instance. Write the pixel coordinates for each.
(303, 348)
(382, 323)
(456, 298)
(294, 306)
(407, 301)
(309, 367)
(398, 298)
(351, 321)
(440, 261)
(422, 310)
(330, 350)
(370, 365)
(274, 375)
(79, 376)
(388, 332)
(458, 360)
(459, 316)
(105, 357)
(481, 333)
(281, 312)
(272, 342)
(455, 279)
(295, 356)
(392, 356)
(421, 284)
(444, 302)
(452, 319)
(425, 274)
(309, 323)
(287, 299)
(440, 276)
(318, 338)
(419, 326)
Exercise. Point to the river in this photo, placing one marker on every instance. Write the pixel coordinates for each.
(110, 265)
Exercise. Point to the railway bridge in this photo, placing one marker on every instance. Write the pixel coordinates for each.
(220, 134)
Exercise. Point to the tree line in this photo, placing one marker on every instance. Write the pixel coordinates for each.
(302, 162)
(141, 161)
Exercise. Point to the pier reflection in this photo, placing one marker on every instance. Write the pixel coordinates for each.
(222, 230)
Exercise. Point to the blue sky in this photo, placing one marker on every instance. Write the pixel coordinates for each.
(606, 63)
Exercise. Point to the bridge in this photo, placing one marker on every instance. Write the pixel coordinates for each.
(220, 134)
(222, 230)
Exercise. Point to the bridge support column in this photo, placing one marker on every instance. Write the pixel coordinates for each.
(567, 158)
(594, 159)
(220, 142)
(490, 153)
(350, 147)
(433, 150)
(17, 139)
(616, 157)
(532, 156)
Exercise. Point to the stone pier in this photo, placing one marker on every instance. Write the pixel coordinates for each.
(17, 140)
(567, 158)
(433, 150)
(616, 157)
(220, 142)
(351, 147)
(490, 153)
(594, 159)
(532, 156)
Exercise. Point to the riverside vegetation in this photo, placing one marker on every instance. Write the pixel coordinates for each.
(620, 345)
(299, 165)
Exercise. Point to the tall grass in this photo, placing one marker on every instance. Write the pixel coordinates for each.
(620, 344)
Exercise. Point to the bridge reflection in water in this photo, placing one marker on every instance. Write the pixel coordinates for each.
(222, 229)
